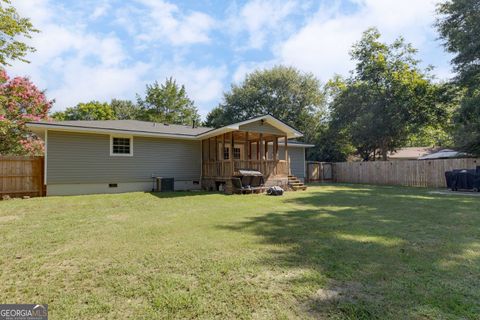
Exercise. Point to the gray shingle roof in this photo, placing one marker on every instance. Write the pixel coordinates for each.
(132, 125)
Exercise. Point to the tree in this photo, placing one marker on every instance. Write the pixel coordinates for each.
(283, 92)
(459, 26)
(215, 118)
(20, 101)
(92, 110)
(331, 145)
(168, 103)
(126, 110)
(13, 28)
(387, 98)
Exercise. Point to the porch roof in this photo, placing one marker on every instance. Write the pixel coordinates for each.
(289, 131)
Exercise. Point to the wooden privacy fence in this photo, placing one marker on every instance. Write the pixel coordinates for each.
(21, 176)
(415, 173)
(319, 171)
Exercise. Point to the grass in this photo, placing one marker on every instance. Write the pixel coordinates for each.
(341, 252)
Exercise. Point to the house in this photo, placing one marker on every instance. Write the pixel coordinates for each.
(84, 157)
(425, 153)
(445, 154)
(411, 153)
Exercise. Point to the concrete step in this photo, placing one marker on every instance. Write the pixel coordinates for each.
(295, 183)
(296, 188)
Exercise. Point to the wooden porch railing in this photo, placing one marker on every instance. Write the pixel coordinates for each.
(224, 169)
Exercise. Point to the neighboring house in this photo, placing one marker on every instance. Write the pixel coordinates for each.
(83, 157)
(444, 154)
(424, 153)
(411, 153)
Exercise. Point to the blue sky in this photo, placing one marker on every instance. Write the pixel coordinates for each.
(104, 49)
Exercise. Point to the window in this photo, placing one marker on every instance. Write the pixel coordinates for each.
(236, 153)
(226, 153)
(121, 146)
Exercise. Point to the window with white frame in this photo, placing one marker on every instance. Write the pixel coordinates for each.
(121, 146)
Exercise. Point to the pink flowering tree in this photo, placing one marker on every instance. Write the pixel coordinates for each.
(20, 102)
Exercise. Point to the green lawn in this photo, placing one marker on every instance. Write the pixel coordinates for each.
(343, 252)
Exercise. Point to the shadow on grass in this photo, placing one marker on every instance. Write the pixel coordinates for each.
(181, 194)
(384, 252)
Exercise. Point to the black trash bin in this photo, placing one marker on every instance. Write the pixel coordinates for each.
(463, 179)
(476, 181)
(449, 178)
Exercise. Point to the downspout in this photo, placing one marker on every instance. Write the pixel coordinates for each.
(45, 159)
(201, 164)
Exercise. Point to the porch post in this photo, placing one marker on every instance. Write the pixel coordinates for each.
(209, 149)
(258, 149)
(230, 154)
(216, 149)
(249, 150)
(246, 148)
(286, 154)
(275, 148)
(260, 146)
(222, 157)
(266, 149)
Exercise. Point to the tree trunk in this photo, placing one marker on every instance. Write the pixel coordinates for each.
(384, 153)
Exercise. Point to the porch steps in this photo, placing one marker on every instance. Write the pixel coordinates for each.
(295, 184)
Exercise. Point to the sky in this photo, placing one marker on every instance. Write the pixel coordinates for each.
(104, 49)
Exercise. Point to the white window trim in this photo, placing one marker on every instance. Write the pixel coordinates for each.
(121, 154)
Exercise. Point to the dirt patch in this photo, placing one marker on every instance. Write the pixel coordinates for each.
(349, 291)
(4, 219)
(327, 300)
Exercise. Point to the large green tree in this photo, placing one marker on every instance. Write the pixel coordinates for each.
(387, 98)
(12, 29)
(92, 110)
(126, 110)
(283, 92)
(459, 26)
(169, 103)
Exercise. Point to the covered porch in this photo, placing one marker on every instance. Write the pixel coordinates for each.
(224, 155)
(259, 144)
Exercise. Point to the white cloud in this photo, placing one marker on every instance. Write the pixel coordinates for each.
(260, 19)
(74, 64)
(203, 84)
(81, 82)
(164, 21)
(100, 10)
(323, 43)
(248, 67)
